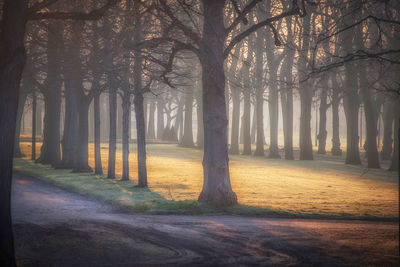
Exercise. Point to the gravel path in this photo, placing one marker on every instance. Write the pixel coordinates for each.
(55, 227)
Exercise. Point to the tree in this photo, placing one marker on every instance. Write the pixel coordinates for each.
(209, 46)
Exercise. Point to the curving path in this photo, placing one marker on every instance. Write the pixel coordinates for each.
(55, 227)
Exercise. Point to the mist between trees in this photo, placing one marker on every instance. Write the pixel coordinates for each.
(267, 78)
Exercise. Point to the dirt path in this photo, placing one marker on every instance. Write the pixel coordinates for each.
(55, 227)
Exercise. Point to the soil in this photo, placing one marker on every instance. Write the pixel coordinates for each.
(56, 227)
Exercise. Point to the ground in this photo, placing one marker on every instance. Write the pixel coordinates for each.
(324, 188)
(56, 227)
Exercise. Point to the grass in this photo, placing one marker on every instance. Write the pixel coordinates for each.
(323, 188)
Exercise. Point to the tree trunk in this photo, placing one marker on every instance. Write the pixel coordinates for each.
(306, 152)
(126, 114)
(287, 107)
(119, 117)
(200, 128)
(323, 107)
(253, 129)
(138, 101)
(216, 187)
(234, 148)
(112, 103)
(160, 117)
(12, 61)
(98, 168)
(50, 151)
(351, 107)
(112, 141)
(394, 166)
(259, 105)
(151, 131)
(70, 137)
(20, 111)
(187, 139)
(82, 157)
(336, 150)
(370, 121)
(273, 113)
(34, 116)
(388, 117)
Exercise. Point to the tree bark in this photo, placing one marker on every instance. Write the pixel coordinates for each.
(160, 117)
(187, 139)
(323, 107)
(234, 148)
(126, 115)
(259, 106)
(200, 127)
(12, 61)
(98, 168)
(351, 107)
(72, 84)
(394, 166)
(50, 151)
(112, 103)
(21, 104)
(138, 101)
(216, 189)
(388, 117)
(336, 150)
(287, 103)
(34, 116)
(82, 157)
(151, 131)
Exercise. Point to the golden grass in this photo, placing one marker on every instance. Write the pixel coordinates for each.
(322, 187)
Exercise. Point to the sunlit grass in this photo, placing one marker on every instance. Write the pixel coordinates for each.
(263, 186)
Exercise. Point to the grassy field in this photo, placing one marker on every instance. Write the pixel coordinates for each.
(323, 188)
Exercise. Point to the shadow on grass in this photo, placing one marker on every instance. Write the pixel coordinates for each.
(143, 200)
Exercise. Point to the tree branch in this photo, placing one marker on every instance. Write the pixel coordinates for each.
(92, 15)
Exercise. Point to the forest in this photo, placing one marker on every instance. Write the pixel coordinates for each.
(271, 108)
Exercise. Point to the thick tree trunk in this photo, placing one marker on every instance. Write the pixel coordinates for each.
(50, 151)
(138, 101)
(351, 107)
(323, 107)
(306, 152)
(234, 148)
(187, 139)
(126, 114)
(216, 187)
(160, 117)
(98, 168)
(388, 117)
(12, 61)
(20, 111)
(82, 157)
(370, 121)
(287, 103)
(151, 131)
(70, 136)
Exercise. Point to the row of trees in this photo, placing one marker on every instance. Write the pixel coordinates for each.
(332, 51)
